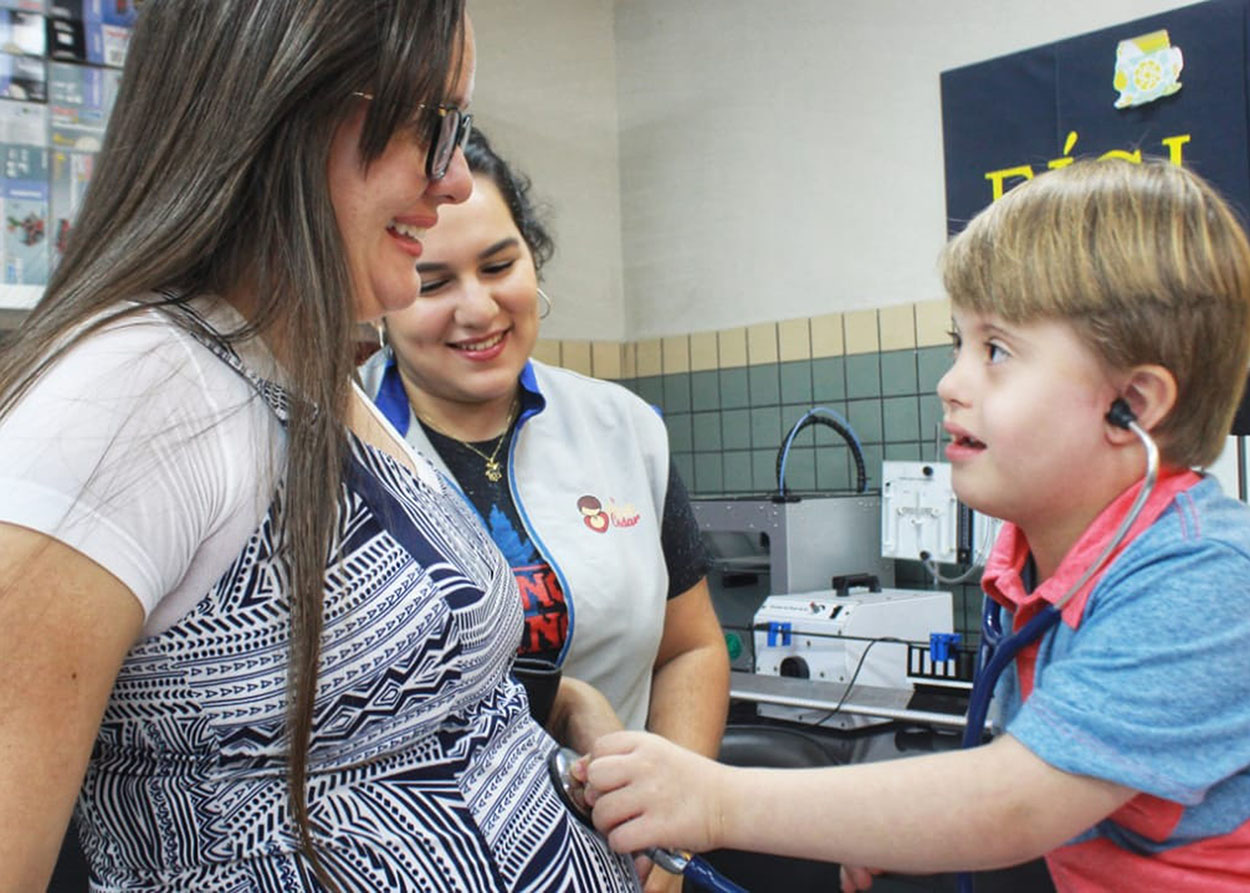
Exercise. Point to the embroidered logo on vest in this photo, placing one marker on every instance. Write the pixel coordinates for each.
(599, 519)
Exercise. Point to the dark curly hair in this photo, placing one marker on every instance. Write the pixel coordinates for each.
(514, 186)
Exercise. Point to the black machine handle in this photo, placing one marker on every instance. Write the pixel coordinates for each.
(842, 584)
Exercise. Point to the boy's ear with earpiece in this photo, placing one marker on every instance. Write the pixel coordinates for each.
(1150, 391)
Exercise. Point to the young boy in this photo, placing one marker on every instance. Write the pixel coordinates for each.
(1126, 755)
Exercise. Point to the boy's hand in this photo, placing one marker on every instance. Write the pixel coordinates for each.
(855, 877)
(647, 791)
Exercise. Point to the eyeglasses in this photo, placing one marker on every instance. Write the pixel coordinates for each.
(450, 129)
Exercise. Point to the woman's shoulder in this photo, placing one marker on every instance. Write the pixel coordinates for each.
(142, 363)
(596, 405)
(556, 381)
(149, 340)
(137, 445)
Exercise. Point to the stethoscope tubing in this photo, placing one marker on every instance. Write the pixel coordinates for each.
(997, 651)
(702, 874)
(999, 657)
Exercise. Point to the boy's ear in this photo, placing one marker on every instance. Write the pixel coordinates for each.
(1150, 391)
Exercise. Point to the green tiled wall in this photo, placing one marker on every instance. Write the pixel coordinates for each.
(726, 426)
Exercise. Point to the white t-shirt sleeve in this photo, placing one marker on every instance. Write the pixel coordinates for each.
(144, 452)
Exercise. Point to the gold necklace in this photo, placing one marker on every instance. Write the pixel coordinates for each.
(493, 471)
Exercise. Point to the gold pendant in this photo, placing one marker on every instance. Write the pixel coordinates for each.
(493, 473)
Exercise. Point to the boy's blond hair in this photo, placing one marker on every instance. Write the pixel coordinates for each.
(1149, 265)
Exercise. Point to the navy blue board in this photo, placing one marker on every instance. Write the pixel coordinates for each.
(1018, 110)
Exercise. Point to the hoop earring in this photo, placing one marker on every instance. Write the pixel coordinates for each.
(542, 296)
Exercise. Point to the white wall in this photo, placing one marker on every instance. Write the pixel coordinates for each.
(1227, 468)
(784, 159)
(776, 159)
(546, 95)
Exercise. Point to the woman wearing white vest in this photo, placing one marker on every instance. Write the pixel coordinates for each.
(571, 475)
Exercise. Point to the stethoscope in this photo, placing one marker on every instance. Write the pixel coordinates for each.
(998, 650)
(559, 763)
(996, 653)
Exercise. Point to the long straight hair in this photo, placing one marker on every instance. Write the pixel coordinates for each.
(213, 180)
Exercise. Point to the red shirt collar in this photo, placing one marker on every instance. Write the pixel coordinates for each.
(1002, 578)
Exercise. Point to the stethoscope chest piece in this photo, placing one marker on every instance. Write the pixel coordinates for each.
(560, 765)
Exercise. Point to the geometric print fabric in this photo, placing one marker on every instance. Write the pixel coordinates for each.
(426, 771)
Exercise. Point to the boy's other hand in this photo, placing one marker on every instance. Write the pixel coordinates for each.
(856, 877)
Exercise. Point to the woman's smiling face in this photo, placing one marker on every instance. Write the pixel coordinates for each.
(384, 210)
(469, 335)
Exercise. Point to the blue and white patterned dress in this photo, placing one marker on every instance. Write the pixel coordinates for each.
(426, 771)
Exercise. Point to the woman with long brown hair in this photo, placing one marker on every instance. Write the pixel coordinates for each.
(247, 626)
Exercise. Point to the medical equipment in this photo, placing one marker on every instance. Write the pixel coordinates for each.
(919, 511)
(560, 763)
(801, 545)
(847, 637)
(759, 547)
(997, 650)
(923, 520)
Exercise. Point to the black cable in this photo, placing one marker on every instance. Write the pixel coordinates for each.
(855, 675)
(851, 441)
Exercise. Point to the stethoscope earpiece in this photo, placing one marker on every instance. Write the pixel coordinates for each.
(1120, 415)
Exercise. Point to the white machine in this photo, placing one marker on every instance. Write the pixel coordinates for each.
(922, 518)
(825, 637)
